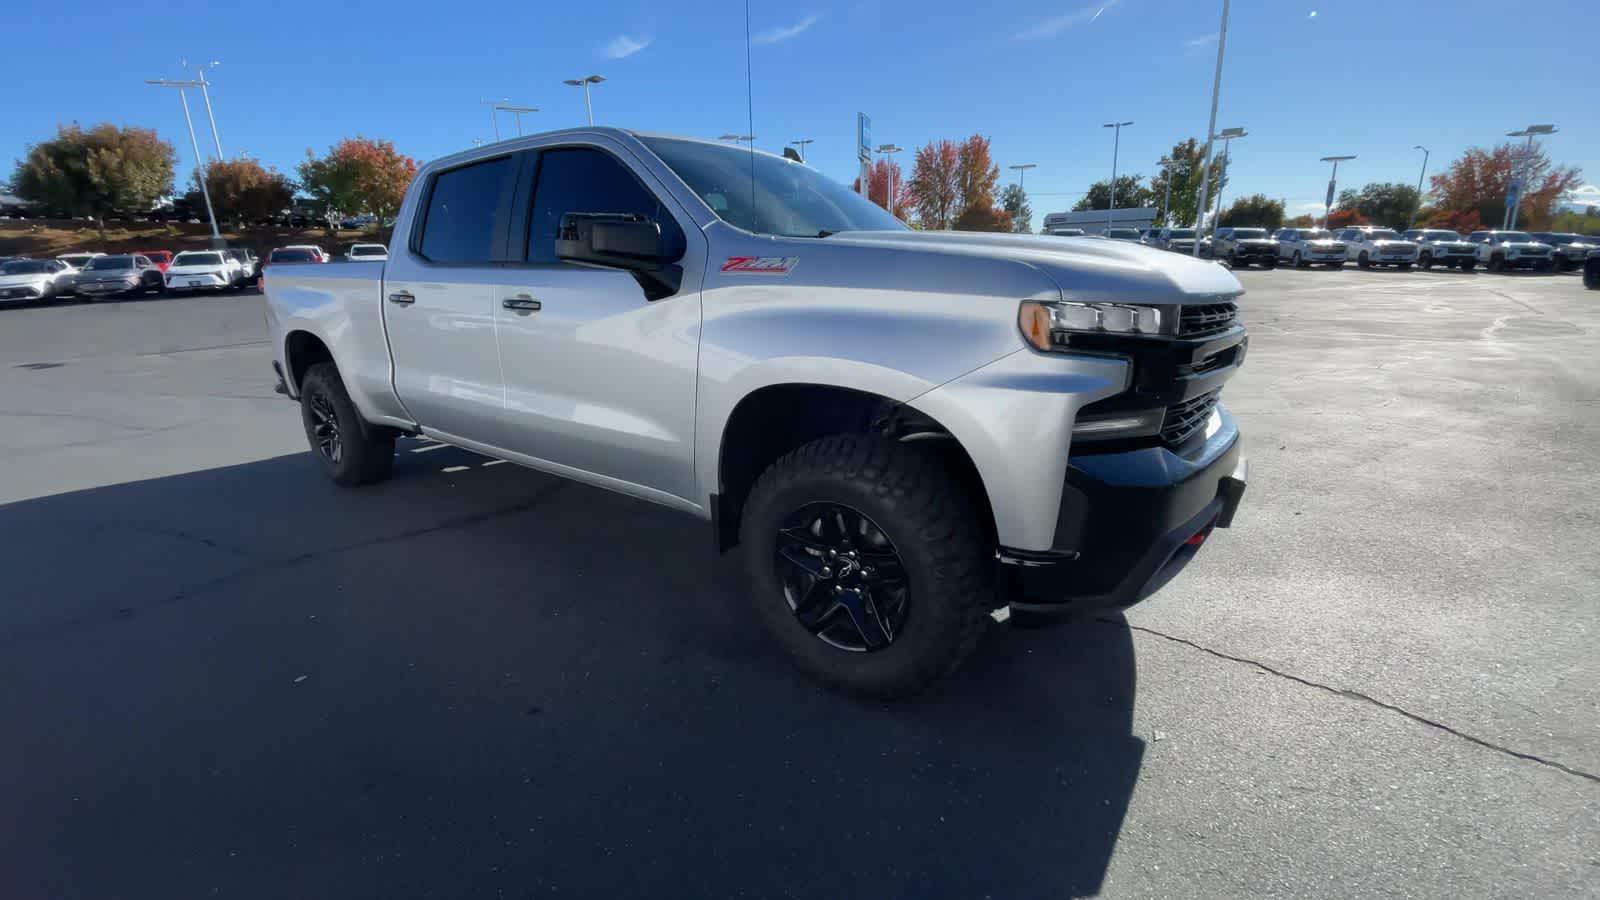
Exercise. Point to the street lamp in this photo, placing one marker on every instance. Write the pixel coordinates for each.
(1333, 180)
(584, 83)
(801, 143)
(200, 76)
(1116, 145)
(1514, 191)
(1166, 199)
(1211, 127)
(1412, 222)
(889, 150)
(494, 119)
(516, 111)
(1022, 174)
(199, 169)
(1227, 136)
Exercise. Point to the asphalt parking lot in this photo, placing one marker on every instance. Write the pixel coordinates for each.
(225, 676)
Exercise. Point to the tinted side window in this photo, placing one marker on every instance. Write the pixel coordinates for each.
(586, 180)
(464, 213)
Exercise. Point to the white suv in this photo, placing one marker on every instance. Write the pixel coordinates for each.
(1302, 247)
(1501, 250)
(1443, 247)
(1370, 246)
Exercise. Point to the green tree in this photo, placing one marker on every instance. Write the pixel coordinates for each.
(242, 190)
(1387, 203)
(1182, 167)
(358, 175)
(96, 172)
(1014, 201)
(1254, 211)
(1131, 194)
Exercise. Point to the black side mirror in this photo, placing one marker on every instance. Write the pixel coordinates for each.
(624, 241)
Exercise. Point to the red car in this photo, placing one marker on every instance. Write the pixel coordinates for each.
(162, 258)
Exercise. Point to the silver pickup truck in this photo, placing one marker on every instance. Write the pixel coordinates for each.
(902, 432)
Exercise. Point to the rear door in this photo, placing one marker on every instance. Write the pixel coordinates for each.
(439, 299)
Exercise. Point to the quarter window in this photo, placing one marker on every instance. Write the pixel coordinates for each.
(465, 213)
(587, 180)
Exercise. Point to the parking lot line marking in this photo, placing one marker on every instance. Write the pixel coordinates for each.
(493, 462)
(454, 469)
(430, 447)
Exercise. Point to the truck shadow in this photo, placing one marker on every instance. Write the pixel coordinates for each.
(474, 679)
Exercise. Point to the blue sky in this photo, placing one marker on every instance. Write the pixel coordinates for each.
(1308, 79)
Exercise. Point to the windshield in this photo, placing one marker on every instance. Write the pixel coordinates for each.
(1247, 233)
(76, 259)
(1315, 234)
(1440, 236)
(26, 267)
(1514, 236)
(291, 256)
(1181, 233)
(1122, 232)
(103, 263)
(197, 259)
(787, 198)
(1382, 234)
(1559, 238)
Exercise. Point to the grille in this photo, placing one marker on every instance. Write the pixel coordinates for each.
(1186, 418)
(1207, 318)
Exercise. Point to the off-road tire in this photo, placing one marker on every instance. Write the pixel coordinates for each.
(934, 525)
(366, 451)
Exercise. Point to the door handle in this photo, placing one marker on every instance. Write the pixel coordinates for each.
(522, 303)
(402, 298)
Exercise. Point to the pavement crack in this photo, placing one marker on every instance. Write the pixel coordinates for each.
(1364, 698)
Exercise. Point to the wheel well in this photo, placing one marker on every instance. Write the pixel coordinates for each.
(775, 420)
(301, 351)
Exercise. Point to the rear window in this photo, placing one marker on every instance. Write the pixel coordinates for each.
(465, 213)
(369, 251)
(290, 256)
(102, 263)
(197, 259)
(1249, 233)
(26, 267)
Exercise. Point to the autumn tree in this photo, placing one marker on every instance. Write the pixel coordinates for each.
(1131, 194)
(934, 188)
(1254, 211)
(983, 217)
(358, 175)
(880, 177)
(976, 173)
(1344, 218)
(242, 190)
(96, 172)
(1386, 203)
(1480, 179)
(1182, 167)
(1302, 222)
(1014, 202)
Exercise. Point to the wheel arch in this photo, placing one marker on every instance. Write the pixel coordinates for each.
(303, 349)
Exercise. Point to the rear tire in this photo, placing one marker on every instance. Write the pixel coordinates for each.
(933, 533)
(1363, 261)
(1591, 277)
(1298, 261)
(351, 451)
(1425, 260)
(1497, 263)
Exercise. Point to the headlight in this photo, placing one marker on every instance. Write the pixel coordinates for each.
(1136, 423)
(1041, 323)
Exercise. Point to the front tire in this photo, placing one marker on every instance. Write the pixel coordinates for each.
(1468, 265)
(1426, 261)
(868, 564)
(1298, 261)
(1497, 263)
(1404, 267)
(1363, 261)
(350, 451)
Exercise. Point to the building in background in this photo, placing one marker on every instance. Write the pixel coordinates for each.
(1095, 221)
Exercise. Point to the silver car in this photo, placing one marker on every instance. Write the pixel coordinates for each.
(22, 280)
(1302, 247)
(1443, 247)
(124, 275)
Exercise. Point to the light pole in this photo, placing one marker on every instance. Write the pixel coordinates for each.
(1116, 145)
(1211, 128)
(517, 112)
(494, 119)
(199, 169)
(1022, 184)
(1514, 191)
(1333, 182)
(889, 150)
(1166, 199)
(801, 143)
(584, 83)
(1412, 222)
(200, 76)
(1228, 135)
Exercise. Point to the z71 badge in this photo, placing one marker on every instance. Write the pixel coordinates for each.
(760, 265)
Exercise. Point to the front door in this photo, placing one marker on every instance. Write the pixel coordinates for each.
(599, 378)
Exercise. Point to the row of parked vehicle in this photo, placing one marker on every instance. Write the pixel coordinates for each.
(95, 275)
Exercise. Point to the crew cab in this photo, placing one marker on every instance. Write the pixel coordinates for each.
(900, 432)
(202, 270)
(1370, 246)
(1243, 247)
(1502, 250)
(1443, 247)
(1302, 247)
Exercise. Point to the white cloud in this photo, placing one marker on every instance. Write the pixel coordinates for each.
(1052, 27)
(622, 45)
(1202, 40)
(1583, 195)
(1313, 14)
(786, 32)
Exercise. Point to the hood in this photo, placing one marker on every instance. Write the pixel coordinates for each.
(1394, 242)
(1526, 245)
(107, 275)
(207, 269)
(1082, 269)
(1255, 241)
(14, 280)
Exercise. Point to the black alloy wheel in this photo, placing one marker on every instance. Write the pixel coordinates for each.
(325, 428)
(842, 576)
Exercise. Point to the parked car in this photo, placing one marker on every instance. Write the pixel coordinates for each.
(77, 260)
(247, 267)
(1591, 270)
(161, 258)
(34, 279)
(123, 275)
(321, 254)
(1147, 236)
(368, 252)
(1066, 232)
(1441, 246)
(885, 495)
(1502, 250)
(202, 270)
(1244, 247)
(1178, 240)
(1123, 234)
(1302, 247)
(1370, 246)
(291, 255)
(1570, 250)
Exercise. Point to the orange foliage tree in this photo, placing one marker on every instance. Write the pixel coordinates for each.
(934, 189)
(1478, 181)
(1344, 218)
(880, 176)
(358, 175)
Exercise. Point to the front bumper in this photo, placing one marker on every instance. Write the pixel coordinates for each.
(1129, 522)
(106, 288)
(21, 292)
(1255, 253)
